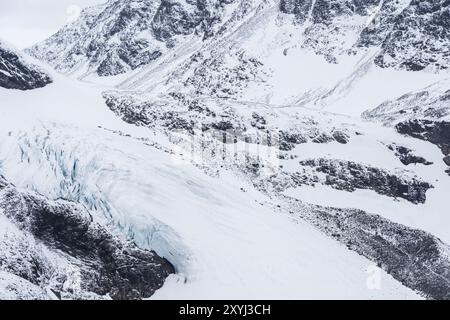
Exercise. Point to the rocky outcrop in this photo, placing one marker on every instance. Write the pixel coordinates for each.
(16, 73)
(186, 17)
(349, 176)
(290, 138)
(214, 77)
(412, 35)
(124, 35)
(431, 103)
(382, 23)
(56, 246)
(186, 114)
(436, 132)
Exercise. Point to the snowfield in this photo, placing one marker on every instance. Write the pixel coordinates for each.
(249, 149)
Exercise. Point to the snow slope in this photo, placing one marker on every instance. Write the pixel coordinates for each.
(18, 73)
(221, 248)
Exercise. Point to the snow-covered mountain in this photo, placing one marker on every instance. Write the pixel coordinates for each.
(120, 36)
(266, 149)
(17, 73)
(124, 35)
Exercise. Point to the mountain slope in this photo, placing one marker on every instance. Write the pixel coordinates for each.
(54, 248)
(223, 236)
(16, 73)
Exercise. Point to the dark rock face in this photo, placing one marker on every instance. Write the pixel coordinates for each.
(186, 114)
(413, 36)
(420, 114)
(186, 17)
(343, 175)
(324, 11)
(419, 38)
(107, 265)
(213, 77)
(415, 258)
(289, 140)
(430, 103)
(16, 74)
(120, 36)
(297, 7)
(149, 114)
(407, 157)
(349, 176)
(447, 160)
(112, 38)
(436, 132)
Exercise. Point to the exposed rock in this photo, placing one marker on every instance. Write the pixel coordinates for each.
(382, 23)
(436, 132)
(180, 113)
(431, 103)
(349, 176)
(412, 35)
(422, 114)
(16, 73)
(290, 138)
(214, 77)
(416, 258)
(186, 17)
(419, 38)
(323, 11)
(101, 264)
(407, 157)
(120, 36)
(447, 160)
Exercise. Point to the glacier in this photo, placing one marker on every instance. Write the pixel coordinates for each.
(153, 121)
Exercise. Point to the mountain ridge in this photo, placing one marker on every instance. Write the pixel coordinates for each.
(215, 132)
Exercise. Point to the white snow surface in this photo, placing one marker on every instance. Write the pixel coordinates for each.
(223, 236)
(224, 243)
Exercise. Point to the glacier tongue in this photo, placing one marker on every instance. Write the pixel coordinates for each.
(220, 248)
